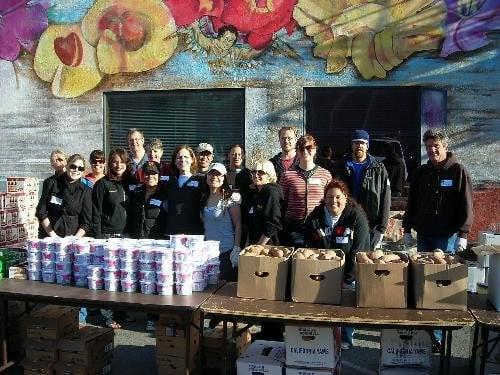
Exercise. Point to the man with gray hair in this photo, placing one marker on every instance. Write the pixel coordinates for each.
(137, 152)
(440, 199)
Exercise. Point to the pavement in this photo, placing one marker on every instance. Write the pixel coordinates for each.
(134, 351)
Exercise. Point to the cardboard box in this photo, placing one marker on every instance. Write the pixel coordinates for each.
(177, 346)
(403, 371)
(100, 367)
(308, 346)
(262, 357)
(86, 346)
(488, 238)
(37, 368)
(494, 281)
(174, 324)
(22, 184)
(405, 347)
(169, 365)
(18, 272)
(382, 285)
(52, 322)
(440, 286)
(312, 371)
(48, 355)
(263, 277)
(318, 281)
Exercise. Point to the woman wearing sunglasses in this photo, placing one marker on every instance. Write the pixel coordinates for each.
(97, 168)
(65, 207)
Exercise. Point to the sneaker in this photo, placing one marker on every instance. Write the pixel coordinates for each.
(345, 345)
(150, 325)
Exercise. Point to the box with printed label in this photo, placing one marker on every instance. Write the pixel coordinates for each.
(494, 281)
(263, 276)
(488, 238)
(439, 286)
(382, 285)
(262, 357)
(101, 367)
(22, 184)
(403, 371)
(308, 346)
(169, 365)
(87, 345)
(317, 280)
(173, 324)
(405, 347)
(52, 322)
(178, 346)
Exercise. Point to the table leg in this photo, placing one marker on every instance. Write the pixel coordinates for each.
(449, 337)
(4, 310)
(485, 332)
(201, 352)
(442, 354)
(187, 329)
(472, 363)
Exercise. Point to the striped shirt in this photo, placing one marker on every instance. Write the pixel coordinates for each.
(303, 190)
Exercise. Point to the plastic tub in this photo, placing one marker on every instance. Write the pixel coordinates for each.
(178, 241)
(47, 244)
(128, 286)
(35, 275)
(147, 266)
(148, 287)
(147, 255)
(63, 247)
(32, 244)
(34, 265)
(95, 283)
(199, 286)
(81, 247)
(130, 265)
(165, 289)
(96, 247)
(165, 278)
(64, 267)
(195, 240)
(96, 259)
(48, 265)
(49, 276)
(80, 268)
(112, 285)
(184, 289)
(112, 274)
(111, 251)
(164, 267)
(128, 275)
(164, 255)
(95, 271)
(111, 263)
(183, 267)
(82, 258)
(129, 253)
(63, 278)
(81, 279)
(213, 279)
(63, 257)
(34, 256)
(184, 277)
(213, 267)
(147, 275)
(182, 255)
(48, 255)
(198, 275)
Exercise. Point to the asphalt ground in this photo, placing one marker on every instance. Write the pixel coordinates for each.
(134, 351)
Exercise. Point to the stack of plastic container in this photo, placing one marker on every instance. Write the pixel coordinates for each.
(63, 252)
(112, 266)
(47, 248)
(213, 264)
(34, 255)
(147, 267)
(129, 254)
(164, 258)
(95, 269)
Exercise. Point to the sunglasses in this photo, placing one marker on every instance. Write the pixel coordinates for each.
(258, 173)
(98, 161)
(76, 167)
(150, 173)
(308, 148)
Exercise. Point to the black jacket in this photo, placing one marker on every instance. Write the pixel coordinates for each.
(351, 234)
(440, 200)
(396, 171)
(278, 167)
(262, 213)
(147, 218)
(68, 206)
(375, 192)
(109, 206)
(243, 180)
(184, 205)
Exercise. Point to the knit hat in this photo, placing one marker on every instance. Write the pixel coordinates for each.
(360, 135)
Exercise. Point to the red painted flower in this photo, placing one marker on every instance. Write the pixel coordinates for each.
(185, 12)
(258, 20)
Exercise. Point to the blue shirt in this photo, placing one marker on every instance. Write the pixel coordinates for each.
(219, 225)
(359, 173)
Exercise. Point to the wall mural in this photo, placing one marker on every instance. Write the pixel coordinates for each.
(75, 44)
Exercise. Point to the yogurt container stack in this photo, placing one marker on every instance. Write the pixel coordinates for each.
(63, 255)
(112, 266)
(213, 264)
(95, 268)
(164, 263)
(129, 255)
(48, 257)
(147, 267)
(34, 255)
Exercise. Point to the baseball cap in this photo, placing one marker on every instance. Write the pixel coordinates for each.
(151, 167)
(218, 167)
(360, 135)
(205, 147)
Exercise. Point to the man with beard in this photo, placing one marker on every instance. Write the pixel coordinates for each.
(286, 159)
(369, 183)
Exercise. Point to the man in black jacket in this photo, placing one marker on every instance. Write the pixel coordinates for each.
(440, 199)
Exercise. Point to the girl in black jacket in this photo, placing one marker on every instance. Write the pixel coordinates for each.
(65, 207)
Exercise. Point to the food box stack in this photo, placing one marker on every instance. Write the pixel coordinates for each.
(314, 350)
(17, 210)
(177, 343)
(46, 326)
(16, 328)
(439, 281)
(9, 258)
(263, 272)
(405, 351)
(221, 348)
(381, 279)
(87, 351)
(262, 357)
(317, 276)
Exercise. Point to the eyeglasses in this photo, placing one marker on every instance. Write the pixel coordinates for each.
(308, 148)
(76, 167)
(98, 161)
(258, 173)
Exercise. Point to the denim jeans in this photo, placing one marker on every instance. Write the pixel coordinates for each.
(82, 315)
(430, 243)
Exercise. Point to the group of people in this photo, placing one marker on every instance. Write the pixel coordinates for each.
(287, 200)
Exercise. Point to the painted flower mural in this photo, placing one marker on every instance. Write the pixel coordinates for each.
(185, 12)
(130, 36)
(21, 23)
(468, 24)
(258, 20)
(66, 59)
